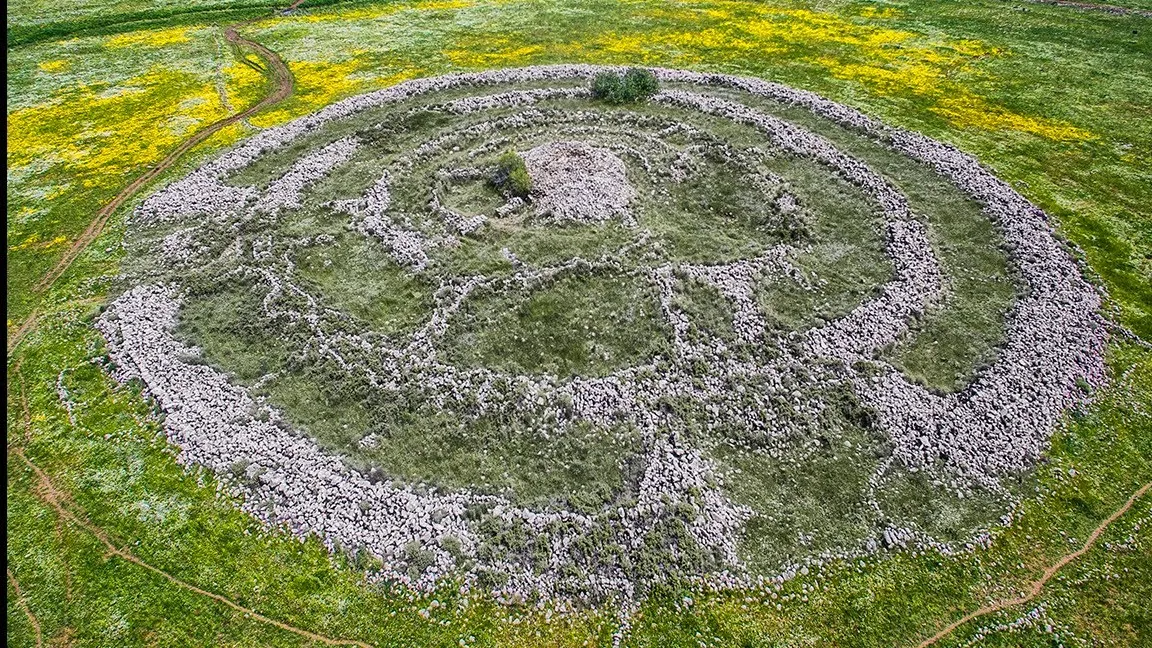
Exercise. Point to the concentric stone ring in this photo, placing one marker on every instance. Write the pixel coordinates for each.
(581, 394)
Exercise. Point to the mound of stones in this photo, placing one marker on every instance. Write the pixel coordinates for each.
(577, 182)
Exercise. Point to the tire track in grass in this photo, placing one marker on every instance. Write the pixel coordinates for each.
(283, 88)
(1048, 574)
(26, 418)
(24, 606)
(62, 504)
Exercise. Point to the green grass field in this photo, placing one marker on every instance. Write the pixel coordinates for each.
(1056, 101)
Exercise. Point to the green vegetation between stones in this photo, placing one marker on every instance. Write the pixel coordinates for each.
(582, 324)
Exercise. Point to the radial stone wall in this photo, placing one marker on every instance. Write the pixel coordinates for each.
(400, 176)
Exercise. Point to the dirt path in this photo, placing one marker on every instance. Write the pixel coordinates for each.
(25, 411)
(1045, 577)
(284, 85)
(1093, 6)
(27, 611)
(63, 505)
(68, 511)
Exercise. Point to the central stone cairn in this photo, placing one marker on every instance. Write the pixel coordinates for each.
(585, 393)
(577, 182)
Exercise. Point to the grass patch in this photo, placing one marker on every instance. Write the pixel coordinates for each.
(590, 323)
(709, 314)
(718, 216)
(846, 262)
(356, 276)
(232, 336)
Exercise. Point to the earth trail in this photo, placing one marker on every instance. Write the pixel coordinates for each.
(59, 501)
(284, 86)
(63, 506)
(1048, 574)
(24, 607)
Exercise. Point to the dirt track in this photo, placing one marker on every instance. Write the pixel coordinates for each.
(1048, 574)
(24, 606)
(284, 84)
(68, 511)
(48, 492)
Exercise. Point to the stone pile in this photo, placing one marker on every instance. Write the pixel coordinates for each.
(572, 181)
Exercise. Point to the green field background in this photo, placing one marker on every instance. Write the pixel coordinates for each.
(1057, 101)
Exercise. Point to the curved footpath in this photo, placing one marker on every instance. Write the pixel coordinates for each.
(1048, 574)
(56, 499)
(284, 84)
(68, 511)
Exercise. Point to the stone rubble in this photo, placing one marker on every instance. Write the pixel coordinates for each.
(999, 425)
(572, 181)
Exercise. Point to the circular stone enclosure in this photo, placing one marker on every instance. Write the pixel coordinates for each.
(733, 330)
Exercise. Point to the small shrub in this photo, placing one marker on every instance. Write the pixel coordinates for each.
(452, 545)
(419, 559)
(511, 176)
(237, 469)
(1083, 385)
(635, 85)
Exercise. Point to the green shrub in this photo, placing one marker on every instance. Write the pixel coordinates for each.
(511, 176)
(635, 85)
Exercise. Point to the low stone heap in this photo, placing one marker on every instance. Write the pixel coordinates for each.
(572, 181)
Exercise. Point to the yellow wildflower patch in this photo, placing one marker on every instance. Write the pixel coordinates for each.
(243, 85)
(634, 47)
(55, 192)
(319, 83)
(339, 15)
(877, 12)
(972, 48)
(149, 38)
(804, 28)
(969, 110)
(438, 5)
(715, 39)
(886, 61)
(57, 65)
(916, 77)
(672, 48)
(735, 36)
(33, 242)
(100, 134)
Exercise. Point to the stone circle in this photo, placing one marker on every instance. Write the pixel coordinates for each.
(688, 412)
